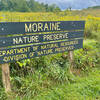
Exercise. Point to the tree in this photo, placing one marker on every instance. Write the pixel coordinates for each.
(51, 8)
(31, 5)
(21, 6)
(3, 5)
(26, 6)
(57, 9)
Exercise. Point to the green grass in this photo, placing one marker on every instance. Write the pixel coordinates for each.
(84, 88)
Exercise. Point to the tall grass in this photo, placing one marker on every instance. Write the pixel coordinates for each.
(49, 78)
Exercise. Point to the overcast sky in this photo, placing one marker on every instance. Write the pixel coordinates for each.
(75, 4)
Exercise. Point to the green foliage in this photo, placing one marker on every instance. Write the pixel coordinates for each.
(88, 56)
(26, 6)
(94, 7)
(85, 88)
(39, 87)
(95, 35)
(92, 29)
(3, 95)
(49, 78)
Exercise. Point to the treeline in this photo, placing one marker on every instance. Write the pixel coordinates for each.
(26, 6)
(94, 7)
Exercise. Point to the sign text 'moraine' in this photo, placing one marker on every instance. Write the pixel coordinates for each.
(35, 27)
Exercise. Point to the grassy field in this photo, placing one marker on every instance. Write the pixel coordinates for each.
(49, 77)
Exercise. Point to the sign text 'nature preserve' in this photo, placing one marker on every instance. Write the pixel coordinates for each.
(24, 40)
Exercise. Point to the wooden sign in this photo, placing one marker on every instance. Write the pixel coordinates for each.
(35, 27)
(63, 36)
(37, 43)
(26, 52)
(38, 38)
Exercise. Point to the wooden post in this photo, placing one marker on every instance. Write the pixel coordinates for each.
(6, 74)
(71, 59)
(6, 77)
